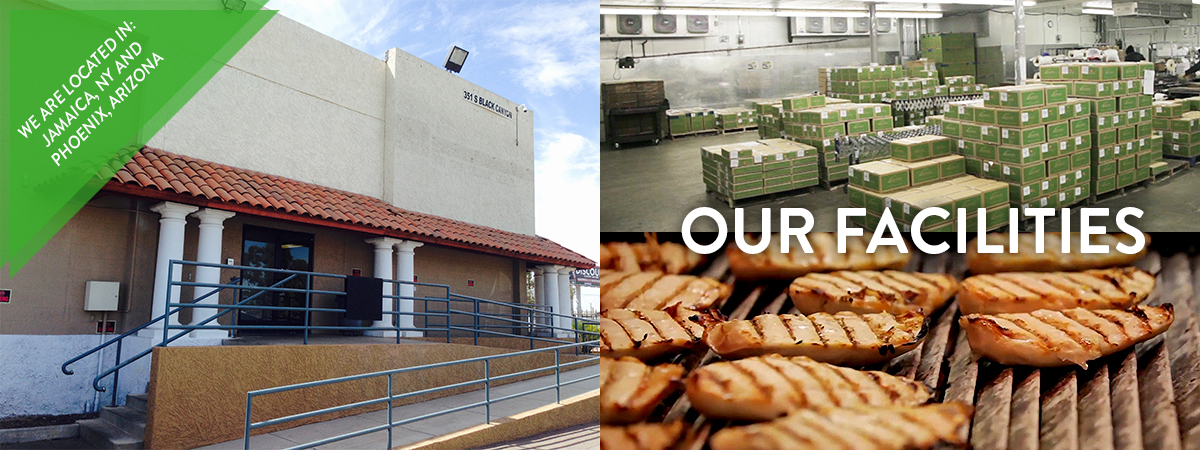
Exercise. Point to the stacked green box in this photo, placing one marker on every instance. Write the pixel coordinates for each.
(819, 127)
(966, 192)
(952, 53)
(1030, 137)
(1122, 121)
(733, 119)
(750, 169)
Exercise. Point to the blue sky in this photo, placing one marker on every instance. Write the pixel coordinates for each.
(542, 53)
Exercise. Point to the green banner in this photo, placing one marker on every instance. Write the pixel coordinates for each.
(87, 84)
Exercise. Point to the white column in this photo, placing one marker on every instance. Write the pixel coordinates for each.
(208, 250)
(551, 296)
(383, 269)
(564, 301)
(404, 274)
(170, 246)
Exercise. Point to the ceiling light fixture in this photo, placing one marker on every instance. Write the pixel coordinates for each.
(1098, 12)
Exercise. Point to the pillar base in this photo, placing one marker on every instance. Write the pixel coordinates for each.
(379, 333)
(209, 334)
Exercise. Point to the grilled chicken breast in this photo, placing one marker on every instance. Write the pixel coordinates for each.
(655, 290)
(870, 427)
(641, 436)
(667, 257)
(1046, 338)
(845, 338)
(872, 291)
(1014, 292)
(647, 335)
(772, 263)
(766, 387)
(630, 390)
(1052, 259)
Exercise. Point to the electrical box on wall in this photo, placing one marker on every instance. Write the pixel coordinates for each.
(101, 296)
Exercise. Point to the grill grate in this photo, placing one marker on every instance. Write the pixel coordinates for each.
(1147, 397)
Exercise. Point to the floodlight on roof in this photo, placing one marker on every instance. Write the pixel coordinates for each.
(455, 59)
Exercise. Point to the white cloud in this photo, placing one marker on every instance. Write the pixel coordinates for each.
(554, 44)
(362, 24)
(568, 192)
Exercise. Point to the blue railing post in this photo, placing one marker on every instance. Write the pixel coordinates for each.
(476, 321)
(557, 379)
(487, 390)
(307, 305)
(116, 375)
(389, 414)
(167, 301)
(246, 433)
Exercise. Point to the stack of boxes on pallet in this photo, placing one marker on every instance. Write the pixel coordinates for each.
(1179, 122)
(820, 126)
(1033, 137)
(691, 121)
(1123, 144)
(952, 53)
(751, 169)
(729, 119)
(631, 94)
(879, 83)
(923, 173)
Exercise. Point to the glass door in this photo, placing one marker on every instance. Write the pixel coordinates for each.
(274, 249)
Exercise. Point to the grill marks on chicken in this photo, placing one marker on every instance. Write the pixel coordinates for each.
(630, 390)
(872, 291)
(642, 436)
(1013, 292)
(1052, 259)
(667, 257)
(1046, 338)
(772, 263)
(844, 338)
(763, 388)
(655, 290)
(647, 335)
(852, 428)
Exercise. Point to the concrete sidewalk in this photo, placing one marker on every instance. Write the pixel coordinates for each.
(586, 437)
(423, 429)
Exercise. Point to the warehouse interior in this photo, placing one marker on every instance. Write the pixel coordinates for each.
(728, 103)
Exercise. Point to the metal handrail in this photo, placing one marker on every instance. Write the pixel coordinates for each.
(391, 397)
(166, 327)
(517, 321)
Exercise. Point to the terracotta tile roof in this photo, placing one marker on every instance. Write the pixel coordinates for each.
(163, 175)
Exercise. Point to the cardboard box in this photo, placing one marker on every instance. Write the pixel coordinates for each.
(1022, 136)
(950, 166)
(1023, 173)
(879, 177)
(911, 149)
(1023, 192)
(1020, 97)
(1017, 118)
(1019, 155)
(1058, 130)
(1058, 165)
(984, 115)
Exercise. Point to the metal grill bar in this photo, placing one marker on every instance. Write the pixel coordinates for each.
(1144, 398)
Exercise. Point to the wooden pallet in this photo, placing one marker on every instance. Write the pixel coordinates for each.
(1143, 398)
(739, 130)
(734, 203)
(1174, 167)
(1191, 160)
(830, 185)
(1119, 192)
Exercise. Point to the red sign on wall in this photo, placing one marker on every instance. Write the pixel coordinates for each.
(5, 295)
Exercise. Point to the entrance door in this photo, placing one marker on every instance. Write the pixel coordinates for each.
(275, 249)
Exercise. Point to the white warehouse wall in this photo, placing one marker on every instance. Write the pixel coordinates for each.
(299, 104)
(721, 78)
(449, 156)
(293, 102)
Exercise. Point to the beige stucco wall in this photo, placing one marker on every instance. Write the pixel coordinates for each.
(115, 238)
(110, 239)
(198, 394)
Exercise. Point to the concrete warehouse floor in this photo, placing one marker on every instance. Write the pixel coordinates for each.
(652, 188)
